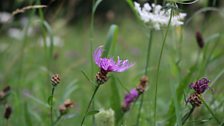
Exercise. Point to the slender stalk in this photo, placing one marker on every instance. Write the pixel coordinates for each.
(58, 118)
(146, 73)
(158, 68)
(91, 100)
(51, 107)
(91, 49)
(210, 110)
(187, 115)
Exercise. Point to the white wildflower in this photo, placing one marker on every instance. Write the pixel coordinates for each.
(105, 118)
(15, 33)
(5, 17)
(57, 41)
(158, 17)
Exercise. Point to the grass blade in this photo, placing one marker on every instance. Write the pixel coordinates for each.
(111, 40)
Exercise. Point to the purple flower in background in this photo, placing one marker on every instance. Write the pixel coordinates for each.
(108, 65)
(201, 85)
(130, 98)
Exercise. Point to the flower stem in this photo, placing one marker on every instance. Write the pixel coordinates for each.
(146, 73)
(58, 118)
(51, 106)
(158, 67)
(187, 115)
(91, 100)
(210, 110)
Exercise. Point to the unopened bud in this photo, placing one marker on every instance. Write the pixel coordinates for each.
(194, 100)
(142, 85)
(8, 112)
(55, 79)
(199, 39)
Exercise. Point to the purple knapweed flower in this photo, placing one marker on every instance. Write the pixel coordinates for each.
(201, 85)
(130, 98)
(108, 65)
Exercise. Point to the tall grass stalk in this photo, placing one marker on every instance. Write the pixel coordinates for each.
(187, 115)
(146, 74)
(91, 100)
(210, 110)
(158, 68)
(94, 6)
(51, 104)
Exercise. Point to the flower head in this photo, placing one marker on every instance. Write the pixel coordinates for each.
(201, 85)
(55, 79)
(64, 108)
(194, 100)
(105, 118)
(130, 98)
(158, 16)
(108, 64)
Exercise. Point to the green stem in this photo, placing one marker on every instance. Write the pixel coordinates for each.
(91, 48)
(210, 110)
(146, 73)
(51, 107)
(91, 100)
(187, 115)
(158, 67)
(58, 118)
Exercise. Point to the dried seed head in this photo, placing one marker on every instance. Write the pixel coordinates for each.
(55, 79)
(68, 103)
(2, 95)
(6, 89)
(142, 85)
(194, 100)
(63, 109)
(101, 77)
(199, 39)
(8, 112)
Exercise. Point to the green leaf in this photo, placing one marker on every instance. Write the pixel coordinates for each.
(37, 100)
(115, 100)
(69, 89)
(27, 115)
(50, 100)
(92, 112)
(96, 4)
(179, 93)
(111, 40)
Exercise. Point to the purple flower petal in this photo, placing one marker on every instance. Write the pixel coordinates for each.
(108, 64)
(97, 55)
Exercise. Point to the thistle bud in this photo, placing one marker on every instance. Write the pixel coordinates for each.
(6, 89)
(8, 112)
(101, 77)
(55, 79)
(142, 85)
(194, 100)
(199, 39)
(64, 108)
(4, 92)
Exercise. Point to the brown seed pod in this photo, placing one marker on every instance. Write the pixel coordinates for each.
(55, 79)
(8, 112)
